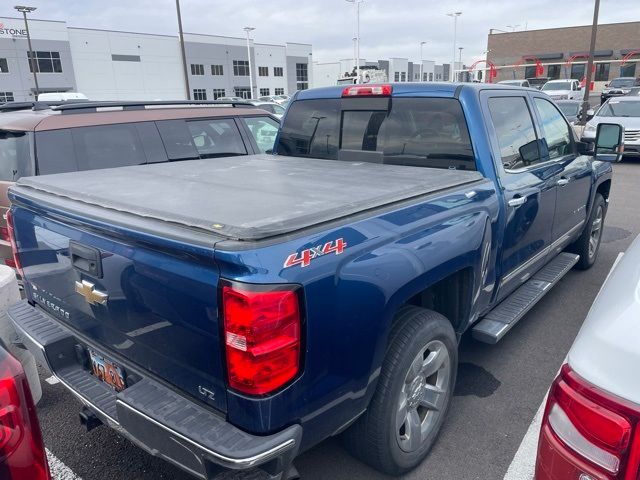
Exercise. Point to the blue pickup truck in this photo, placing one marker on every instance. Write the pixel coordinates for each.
(231, 313)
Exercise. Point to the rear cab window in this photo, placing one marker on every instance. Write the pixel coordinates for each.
(421, 132)
(15, 155)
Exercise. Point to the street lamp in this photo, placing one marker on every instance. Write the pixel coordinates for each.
(455, 16)
(421, 62)
(460, 58)
(356, 4)
(182, 51)
(32, 60)
(247, 30)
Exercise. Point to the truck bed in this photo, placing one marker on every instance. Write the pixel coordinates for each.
(246, 198)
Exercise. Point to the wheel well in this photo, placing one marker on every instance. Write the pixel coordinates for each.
(450, 297)
(604, 188)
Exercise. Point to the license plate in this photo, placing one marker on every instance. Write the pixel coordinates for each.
(107, 371)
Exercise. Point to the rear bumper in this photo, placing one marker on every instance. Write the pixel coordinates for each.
(153, 416)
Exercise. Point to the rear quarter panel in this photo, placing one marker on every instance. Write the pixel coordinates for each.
(351, 299)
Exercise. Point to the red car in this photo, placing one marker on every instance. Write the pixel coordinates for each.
(22, 453)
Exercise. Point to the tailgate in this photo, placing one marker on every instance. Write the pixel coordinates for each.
(141, 301)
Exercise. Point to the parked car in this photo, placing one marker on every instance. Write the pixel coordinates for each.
(279, 99)
(232, 99)
(22, 452)
(61, 96)
(618, 87)
(634, 92)
(271, 107)
(537, 82)
(86, 136)
(254, 306)
(563, 89)
(516, 83)
(570, 109)
(591, 423)
(622, 110)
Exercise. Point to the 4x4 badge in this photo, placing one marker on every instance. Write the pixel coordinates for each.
(304, 257)
(90, 294)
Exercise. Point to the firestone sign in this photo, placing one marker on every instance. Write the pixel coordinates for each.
(11, 31)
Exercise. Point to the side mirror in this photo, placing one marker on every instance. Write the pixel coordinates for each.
(609, 144)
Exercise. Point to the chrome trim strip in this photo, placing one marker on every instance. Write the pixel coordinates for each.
(541, 253)
(235, 463)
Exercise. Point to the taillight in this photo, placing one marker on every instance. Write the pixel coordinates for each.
(14, 246)
(262, 337)
(22, 453)
(587, 433)
(368, 91)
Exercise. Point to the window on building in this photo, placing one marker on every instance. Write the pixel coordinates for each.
(602, 72)
(396, 77)
(243, 92)
(553, 72)
(628, 70)
(302, 76)
(46, 62)
(430, 77)
(4, 67)
(577, 71)
(278, 72)
(218, 92)
(197, 69)
(125, 58)
(217, 70)
(241, 68)
(514, 129)
(6, 97)
(403, 76)
(264, 92)
(530, 71)
(199, 94)
(263, 71)
(279, 91)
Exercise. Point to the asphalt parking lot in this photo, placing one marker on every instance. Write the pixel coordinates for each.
(498, 393)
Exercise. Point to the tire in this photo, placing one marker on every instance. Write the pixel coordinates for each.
(383, 436)
(588, 245)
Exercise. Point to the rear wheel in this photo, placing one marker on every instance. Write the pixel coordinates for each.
(588, 245)
(413, 394)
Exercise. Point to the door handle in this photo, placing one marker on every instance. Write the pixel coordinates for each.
(562, 181)
(517, 201)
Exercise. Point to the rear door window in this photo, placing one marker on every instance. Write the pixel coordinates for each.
(15, 156)
(264, 131)
(216, 138)
(515, 132)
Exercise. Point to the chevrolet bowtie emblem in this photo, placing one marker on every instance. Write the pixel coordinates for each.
(90, 294)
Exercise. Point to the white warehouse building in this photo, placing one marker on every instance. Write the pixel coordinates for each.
(114, 65)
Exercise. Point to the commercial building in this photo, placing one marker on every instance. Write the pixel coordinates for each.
(397, 70)
(113, 65)
(563, 52)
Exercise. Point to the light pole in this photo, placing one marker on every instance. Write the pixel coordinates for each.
(455, 16)
(32, 60)
(592, 47)
(184, 55)
(356, 4)
(247, 30)
(460, 59)
(421, 62)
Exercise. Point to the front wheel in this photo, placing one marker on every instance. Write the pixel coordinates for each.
(413, 394)
(588, 245)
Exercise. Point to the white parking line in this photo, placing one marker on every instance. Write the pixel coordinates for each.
(59, 471)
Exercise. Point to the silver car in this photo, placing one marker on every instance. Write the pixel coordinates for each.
(271, 107)
(622, 110)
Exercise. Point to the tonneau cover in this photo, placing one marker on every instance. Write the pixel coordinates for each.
(247, 197)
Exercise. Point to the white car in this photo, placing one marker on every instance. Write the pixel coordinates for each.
(515, 83)
(563, 89)
(624, 111)
(279, 99)
(271, 107)
(590, 428)
(61, 96)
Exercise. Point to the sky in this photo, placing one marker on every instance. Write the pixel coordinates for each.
(389, 28)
